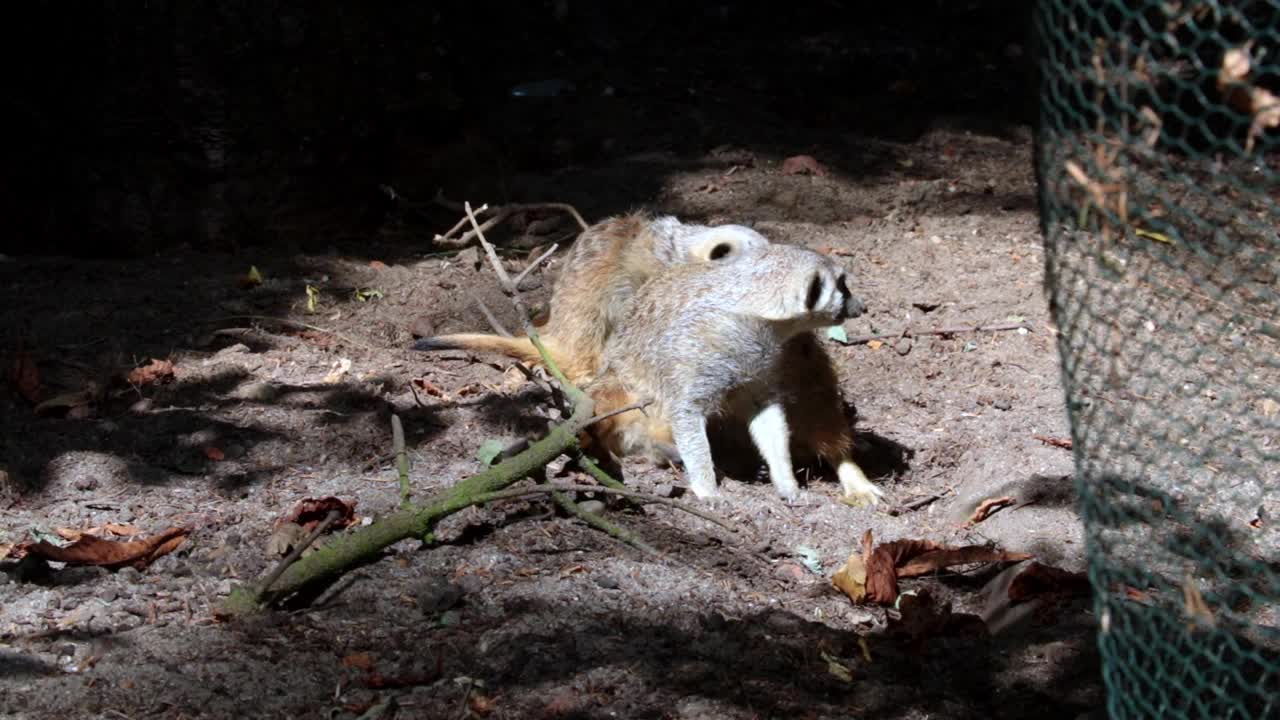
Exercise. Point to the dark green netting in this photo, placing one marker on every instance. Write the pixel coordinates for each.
(1157, 158)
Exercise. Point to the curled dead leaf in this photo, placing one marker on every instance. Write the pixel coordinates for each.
(1037, 579)
(312, 511)
(989, 507)
(803, 165)
(872, 574)
(90, 550)
(157, 372)
(24, 375)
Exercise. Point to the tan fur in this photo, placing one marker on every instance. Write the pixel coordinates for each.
(599, 276)
(730, 346)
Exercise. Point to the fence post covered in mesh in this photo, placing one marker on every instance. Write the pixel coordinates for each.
(1157, 162)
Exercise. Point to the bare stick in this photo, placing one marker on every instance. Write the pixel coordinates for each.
(600, 523)
(957, 330)
(535, 264)
(571, 390)
(295, 323)
(297, 551)
(643, 497)
(627, 408)
(402, 458)
(500, 214)
(488, 315)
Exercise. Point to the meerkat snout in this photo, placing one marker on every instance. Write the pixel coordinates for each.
(853, 306)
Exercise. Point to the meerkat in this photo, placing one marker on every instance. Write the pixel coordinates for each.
(600, 274)
(733, 343)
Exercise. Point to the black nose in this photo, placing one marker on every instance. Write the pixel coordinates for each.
(853, 307)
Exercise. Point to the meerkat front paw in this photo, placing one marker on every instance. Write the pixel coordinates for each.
(858, 490)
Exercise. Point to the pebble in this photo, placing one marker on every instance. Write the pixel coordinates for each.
(86, 484)
(903, 346)
(665, 490)
(1003, 404)
(595, 507)
(608, 582)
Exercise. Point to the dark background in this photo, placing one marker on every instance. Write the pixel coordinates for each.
(136, 126)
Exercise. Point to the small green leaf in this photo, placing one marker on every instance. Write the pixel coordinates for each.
(313, 295)
(489, 450)
(837, 333)
(810, 558)
(1015, 318)
(367, 294)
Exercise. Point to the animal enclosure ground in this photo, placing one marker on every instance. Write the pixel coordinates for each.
(517, 610)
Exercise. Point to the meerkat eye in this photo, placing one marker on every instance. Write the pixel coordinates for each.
(720, 251)
(815, 292)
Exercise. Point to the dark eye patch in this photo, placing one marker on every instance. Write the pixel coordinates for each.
(720, 251)
(815, 292)
(842, 287)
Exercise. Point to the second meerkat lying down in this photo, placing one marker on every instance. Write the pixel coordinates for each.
(734, 341)
(599, 275)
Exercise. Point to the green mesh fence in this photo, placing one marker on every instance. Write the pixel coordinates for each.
(1160, 201)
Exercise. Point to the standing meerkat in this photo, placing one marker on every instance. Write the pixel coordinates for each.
(734, 341)
(599, 276)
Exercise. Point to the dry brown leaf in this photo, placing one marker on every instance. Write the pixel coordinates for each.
(214, 453)
(989, 507)
(851, 578)
(312, 511)
(430, 388)
(1037, 579)
(946, 557)
(1233, 83)
(377, 265)
(90, 550)
(359, 661)
(69, 401)
(920, 617)
(24, 375)
(803, 165)
(483, 705)
(875, 344)
(158, 372)
(1064, 443)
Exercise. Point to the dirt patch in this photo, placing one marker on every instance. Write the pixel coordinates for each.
(517, 610)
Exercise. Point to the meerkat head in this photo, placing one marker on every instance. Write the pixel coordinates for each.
(724, 242)
(810, 290)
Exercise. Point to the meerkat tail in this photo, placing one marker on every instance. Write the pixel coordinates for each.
(518, 348)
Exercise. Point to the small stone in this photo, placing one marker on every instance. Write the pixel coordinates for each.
(232, 350)
(903, 346)
(108, 595)
(606, 581)
(259, 391)
(142, 407)
(1002, 404)
(129, 574)
(437, 595)
(85, 484)
(665, 490)
(595, 507)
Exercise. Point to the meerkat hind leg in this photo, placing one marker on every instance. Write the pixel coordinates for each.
(694, 448)
(772, 438)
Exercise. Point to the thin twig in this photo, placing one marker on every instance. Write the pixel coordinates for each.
(522, 310)
(402, 459)
(627, 408)
(500, 214)
(535, 264)
(588, 463)
(296, 553)
(600, 523)
(295, 323)
(860, 339)
(544, 488)
(488, 315)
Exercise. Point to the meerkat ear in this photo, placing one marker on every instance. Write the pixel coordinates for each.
(720, 250)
